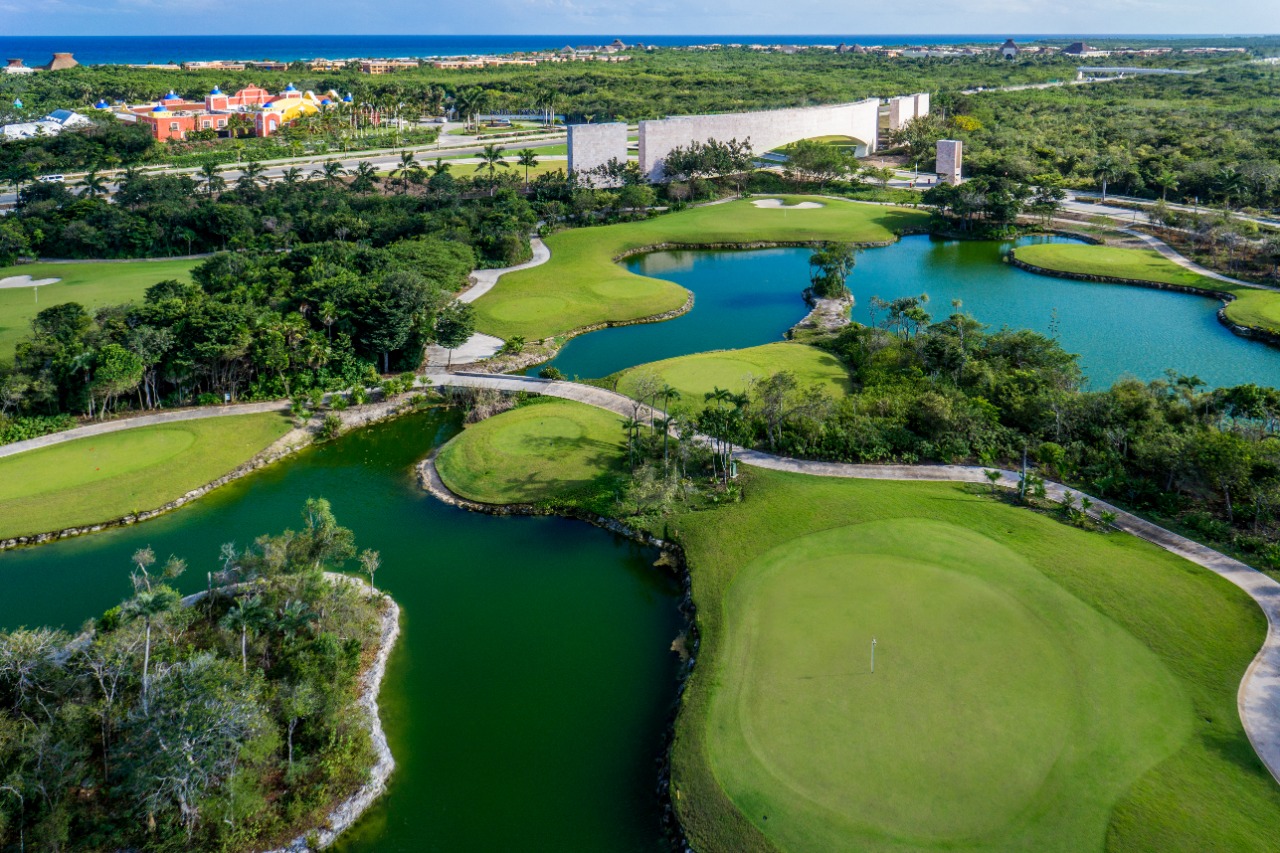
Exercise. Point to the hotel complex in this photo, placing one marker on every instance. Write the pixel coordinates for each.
(174, 118)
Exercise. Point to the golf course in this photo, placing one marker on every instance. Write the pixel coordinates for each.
(92, 480)
(582, 285)
(93, 285)
(695, 375)
(547, 450)
(1253, 307)
(1037, 686)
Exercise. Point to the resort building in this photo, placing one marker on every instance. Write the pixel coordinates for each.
(1009, 50)
(174, 118)
(51, 125)
(15, 66)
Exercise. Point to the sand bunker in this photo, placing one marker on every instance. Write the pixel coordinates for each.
(26, 281)
(777, 203)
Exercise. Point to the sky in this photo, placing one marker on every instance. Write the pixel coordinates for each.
(650, 17)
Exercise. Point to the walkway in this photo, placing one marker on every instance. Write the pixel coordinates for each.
(479, 346)
(1258, 698)
(103, 427)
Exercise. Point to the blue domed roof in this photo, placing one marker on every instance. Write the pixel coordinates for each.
(326, 102)
(216, 91)
(101, 105)
(290, 88)
(159, 109)
(172, 96)
(267, 106)
(347, 98)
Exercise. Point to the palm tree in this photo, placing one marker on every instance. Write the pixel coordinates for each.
(237, 123)
(1165, 179)
(331, 172)
(292, 176)
(212, 178)
(1108, 168)
(244, 617)
(366, 177)
(440, 167)
(328, 316)
(528, 159)
(252, 176)
(94, 185)
(491, 159)
(147, 605)
(408, 170)
(632, 426)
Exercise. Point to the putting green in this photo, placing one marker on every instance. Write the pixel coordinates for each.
(97, 479)
(1004, 713)
(582, 285)
(546, 449)
(93, 285)
(695, 375)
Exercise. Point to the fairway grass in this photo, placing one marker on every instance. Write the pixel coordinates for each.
(696, 375)
(1044, 688)
(549, 449)
(582, 285)
(1038, 687)
(1252, 307)
(97, 479)
(93, 285)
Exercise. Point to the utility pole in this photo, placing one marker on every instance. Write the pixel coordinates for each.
(873, 655)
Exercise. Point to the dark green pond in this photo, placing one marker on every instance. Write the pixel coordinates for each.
(527, 700)
(745, 298)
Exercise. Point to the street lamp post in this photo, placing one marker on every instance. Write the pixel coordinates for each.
(873, 655)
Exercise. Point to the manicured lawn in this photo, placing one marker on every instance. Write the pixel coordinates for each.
(98, 479)
(582, 285)
(550, 449)
(695, 375)
(1252, 306)
(92, 285)
(1037, 687)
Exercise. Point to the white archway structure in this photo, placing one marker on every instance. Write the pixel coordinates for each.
(767, 129)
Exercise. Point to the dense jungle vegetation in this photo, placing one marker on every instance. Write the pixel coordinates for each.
(225, 724)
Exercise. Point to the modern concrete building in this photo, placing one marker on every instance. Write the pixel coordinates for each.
(950, 154)
(765, 129)
(594, 145)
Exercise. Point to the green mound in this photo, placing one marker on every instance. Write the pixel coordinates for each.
(1003, 714)
(695, 375)
(1037, 687)
(98, 479)
(550, 449)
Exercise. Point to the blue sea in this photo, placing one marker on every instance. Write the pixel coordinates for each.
(125, 50)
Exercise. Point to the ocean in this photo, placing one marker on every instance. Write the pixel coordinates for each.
(126, 50)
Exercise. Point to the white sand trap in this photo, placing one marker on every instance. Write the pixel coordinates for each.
(26, 281)
(777, 203)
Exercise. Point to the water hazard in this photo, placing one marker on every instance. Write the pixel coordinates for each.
(527, 701)
(745, 298)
